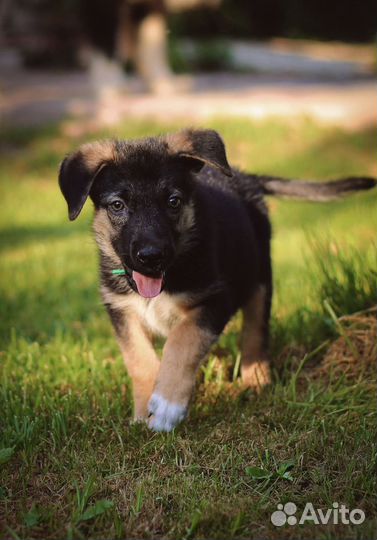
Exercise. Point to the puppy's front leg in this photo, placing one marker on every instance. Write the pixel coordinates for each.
(185, 348)
(139, 357)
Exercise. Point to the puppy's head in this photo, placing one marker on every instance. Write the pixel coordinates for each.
(143, 193)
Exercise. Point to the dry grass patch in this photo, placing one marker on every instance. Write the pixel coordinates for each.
(354, 353)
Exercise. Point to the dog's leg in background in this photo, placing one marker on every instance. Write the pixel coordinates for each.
(185, 349)
(152, 56)
(139, 357)
(255, 367)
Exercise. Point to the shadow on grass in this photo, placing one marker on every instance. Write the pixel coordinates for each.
(20, 236)
(20, 138)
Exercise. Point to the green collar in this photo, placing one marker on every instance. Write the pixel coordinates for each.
(119, 272)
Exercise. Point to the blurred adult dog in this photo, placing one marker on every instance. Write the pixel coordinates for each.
(193, 238)
(132, 31)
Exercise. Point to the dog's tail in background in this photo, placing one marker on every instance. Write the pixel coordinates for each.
(315, 191)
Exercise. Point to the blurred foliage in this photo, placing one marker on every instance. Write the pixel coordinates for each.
(204, 55)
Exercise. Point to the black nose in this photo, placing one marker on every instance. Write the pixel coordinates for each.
(150, 256)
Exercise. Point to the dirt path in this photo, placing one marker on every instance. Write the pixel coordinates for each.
(348, 99)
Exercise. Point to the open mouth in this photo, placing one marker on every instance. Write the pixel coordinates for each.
(146, 286)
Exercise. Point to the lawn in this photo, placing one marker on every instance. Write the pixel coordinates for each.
(71, 463)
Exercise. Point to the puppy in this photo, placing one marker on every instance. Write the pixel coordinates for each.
(189, 240)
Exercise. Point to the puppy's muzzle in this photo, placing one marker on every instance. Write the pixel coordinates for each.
(151, 258)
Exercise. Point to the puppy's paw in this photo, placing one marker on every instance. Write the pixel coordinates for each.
(256, 375)
(140, 413)
(165, 414)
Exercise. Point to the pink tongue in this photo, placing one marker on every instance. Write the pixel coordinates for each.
(147, 286)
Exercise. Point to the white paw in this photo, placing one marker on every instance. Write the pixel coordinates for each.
(165, 415)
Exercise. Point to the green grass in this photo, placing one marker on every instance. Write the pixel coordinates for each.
(72, 465)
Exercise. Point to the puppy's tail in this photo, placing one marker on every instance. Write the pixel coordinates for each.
(315, 191)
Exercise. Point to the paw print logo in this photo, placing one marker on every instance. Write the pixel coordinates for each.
(284, 514)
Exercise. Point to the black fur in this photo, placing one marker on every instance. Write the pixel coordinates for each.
(75, 182)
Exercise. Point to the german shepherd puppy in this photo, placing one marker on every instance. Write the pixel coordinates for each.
(192, 238)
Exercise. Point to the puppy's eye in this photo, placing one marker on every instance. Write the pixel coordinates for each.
(174, 202)
(116, 206)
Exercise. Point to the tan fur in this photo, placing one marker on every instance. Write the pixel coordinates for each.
(159, 314)
(187, 219)
(185, 349)
(103, 230)
(186, 226)
(141, 362)
(96, 153)
(179, 143)
(182, 143)
(255, 368)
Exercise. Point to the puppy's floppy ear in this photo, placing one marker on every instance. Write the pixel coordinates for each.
(79, 170)
(203, 146)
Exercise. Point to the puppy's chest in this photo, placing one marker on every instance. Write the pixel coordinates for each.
(158, 314)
